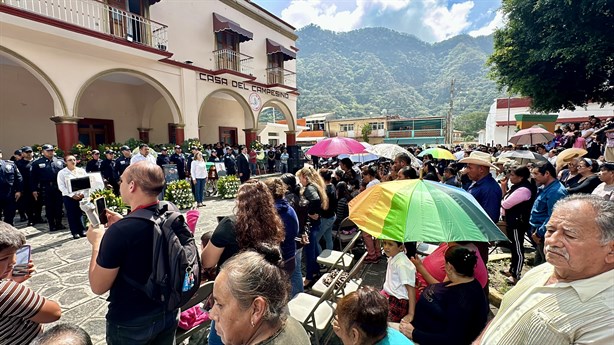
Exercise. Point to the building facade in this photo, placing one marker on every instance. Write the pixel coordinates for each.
(352, 128)
(161, 71)
(501, 121)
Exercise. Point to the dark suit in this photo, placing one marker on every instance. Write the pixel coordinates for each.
(243, 167)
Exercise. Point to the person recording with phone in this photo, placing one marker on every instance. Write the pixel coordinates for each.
(71, 200)
(22, 310)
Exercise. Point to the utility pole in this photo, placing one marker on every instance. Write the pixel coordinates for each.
(449, 136)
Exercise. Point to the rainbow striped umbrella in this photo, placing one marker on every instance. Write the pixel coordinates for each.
(419, 210)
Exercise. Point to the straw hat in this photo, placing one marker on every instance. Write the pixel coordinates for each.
(479, 158)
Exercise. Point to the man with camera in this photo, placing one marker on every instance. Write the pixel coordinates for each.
(126, 243)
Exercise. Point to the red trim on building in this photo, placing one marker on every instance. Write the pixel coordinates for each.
(559, 120)
(235, 73)
(74, 28)
(67, 134)
(502, 103)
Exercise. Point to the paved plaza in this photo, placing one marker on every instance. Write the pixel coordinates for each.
(62, 264)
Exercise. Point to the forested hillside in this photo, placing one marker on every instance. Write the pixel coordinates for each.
(375, 71)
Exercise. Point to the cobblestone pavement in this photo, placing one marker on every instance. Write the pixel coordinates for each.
(62, 263)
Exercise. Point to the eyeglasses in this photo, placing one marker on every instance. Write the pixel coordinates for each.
(71, 160)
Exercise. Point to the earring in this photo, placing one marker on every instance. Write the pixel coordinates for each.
(252, 322)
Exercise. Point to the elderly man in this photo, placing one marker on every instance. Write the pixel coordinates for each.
(569, 299)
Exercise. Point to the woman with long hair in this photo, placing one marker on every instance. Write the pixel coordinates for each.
(255, 222)
(516, 209)
(198, 171)
(314, 191)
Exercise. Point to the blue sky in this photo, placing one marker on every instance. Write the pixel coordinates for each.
(429, 20)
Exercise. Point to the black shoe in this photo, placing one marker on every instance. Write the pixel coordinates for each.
(76, 237)
(82, 234)
(60, 227)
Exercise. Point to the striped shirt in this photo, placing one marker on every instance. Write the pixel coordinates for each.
(17, 305)
(578, 312)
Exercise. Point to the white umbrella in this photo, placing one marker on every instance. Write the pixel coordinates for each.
(361, 157)
(392, 150)
(523, 154)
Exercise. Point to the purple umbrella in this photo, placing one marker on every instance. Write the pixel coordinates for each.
(332, 147)
(531, 136)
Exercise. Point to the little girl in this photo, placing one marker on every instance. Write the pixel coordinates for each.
(399, 286)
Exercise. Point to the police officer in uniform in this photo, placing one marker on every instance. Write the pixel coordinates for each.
(123, 161)
(230, 162)
(108, 171)
(11, 186)
(178, 158)
(44, 185)
(94, 164)
(32, 207)
(163, 158)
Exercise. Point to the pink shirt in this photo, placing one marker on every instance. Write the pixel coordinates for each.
(580, 143)
(435, 264)
(520, 195)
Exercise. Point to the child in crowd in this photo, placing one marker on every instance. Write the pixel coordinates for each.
(399, 286)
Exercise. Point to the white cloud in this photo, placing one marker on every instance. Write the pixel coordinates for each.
(445, 22)
(324, 14)
(489, 28)
(429, 20)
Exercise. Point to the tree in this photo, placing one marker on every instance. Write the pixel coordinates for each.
(365, 131)
(559, 53)
(470, 123)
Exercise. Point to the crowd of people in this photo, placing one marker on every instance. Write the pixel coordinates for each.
(564, 207)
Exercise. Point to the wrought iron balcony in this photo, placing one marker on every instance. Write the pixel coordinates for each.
(228, 59)
(100, 17)
(280, 76)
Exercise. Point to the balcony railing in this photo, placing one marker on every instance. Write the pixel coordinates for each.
(347, 134)
(278, 75)
(418, 133)
(100, 17)
(231, 60)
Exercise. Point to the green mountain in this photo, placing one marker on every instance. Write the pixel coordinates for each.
(375, 71)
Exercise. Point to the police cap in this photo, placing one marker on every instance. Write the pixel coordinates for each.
(17, 152)
(47, 147)
(26, 149)
(95, 152)
(125, 148)
(109, 152)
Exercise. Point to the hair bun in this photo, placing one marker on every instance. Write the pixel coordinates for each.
(271, 253)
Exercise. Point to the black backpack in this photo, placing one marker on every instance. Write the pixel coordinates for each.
(175, 268)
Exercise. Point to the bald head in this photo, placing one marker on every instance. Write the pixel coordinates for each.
(148, 176)
(63, 334)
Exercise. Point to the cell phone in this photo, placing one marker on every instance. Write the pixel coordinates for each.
(101, 209)
(23, 258)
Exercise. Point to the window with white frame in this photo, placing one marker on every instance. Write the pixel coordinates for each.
(376, 125)
(346, 127)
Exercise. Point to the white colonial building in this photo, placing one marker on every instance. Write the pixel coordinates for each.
(162, 71)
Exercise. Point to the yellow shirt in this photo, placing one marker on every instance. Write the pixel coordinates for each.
(578, 312)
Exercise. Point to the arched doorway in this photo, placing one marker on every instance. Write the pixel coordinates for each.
(28, 99)
(120, 104)
(223, 117)
(276, 111)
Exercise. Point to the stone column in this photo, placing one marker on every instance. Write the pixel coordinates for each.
(290, 138)
(144, 134)
(66, 131)
(179, 133)
(250, 136)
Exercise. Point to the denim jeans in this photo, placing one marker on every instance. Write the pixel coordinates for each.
(311, 253)
(199, 189)
(157, 329)
(252, 168)
(284, 167)
(296, 279)
(326, 231)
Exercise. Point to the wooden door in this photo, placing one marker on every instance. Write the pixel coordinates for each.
(228, 135)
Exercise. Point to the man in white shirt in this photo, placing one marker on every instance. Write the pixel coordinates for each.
(569, 299)
(143, 155)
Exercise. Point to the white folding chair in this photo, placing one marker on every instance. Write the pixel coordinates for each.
(337, 259)
(314, 313)
(351, 284)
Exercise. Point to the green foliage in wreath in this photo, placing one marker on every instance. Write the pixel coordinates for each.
(180, 194)
(227, 186)
(256, 145)
(191, 142)
(114, 203)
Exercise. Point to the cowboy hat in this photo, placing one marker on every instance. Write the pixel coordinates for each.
(479, 158)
